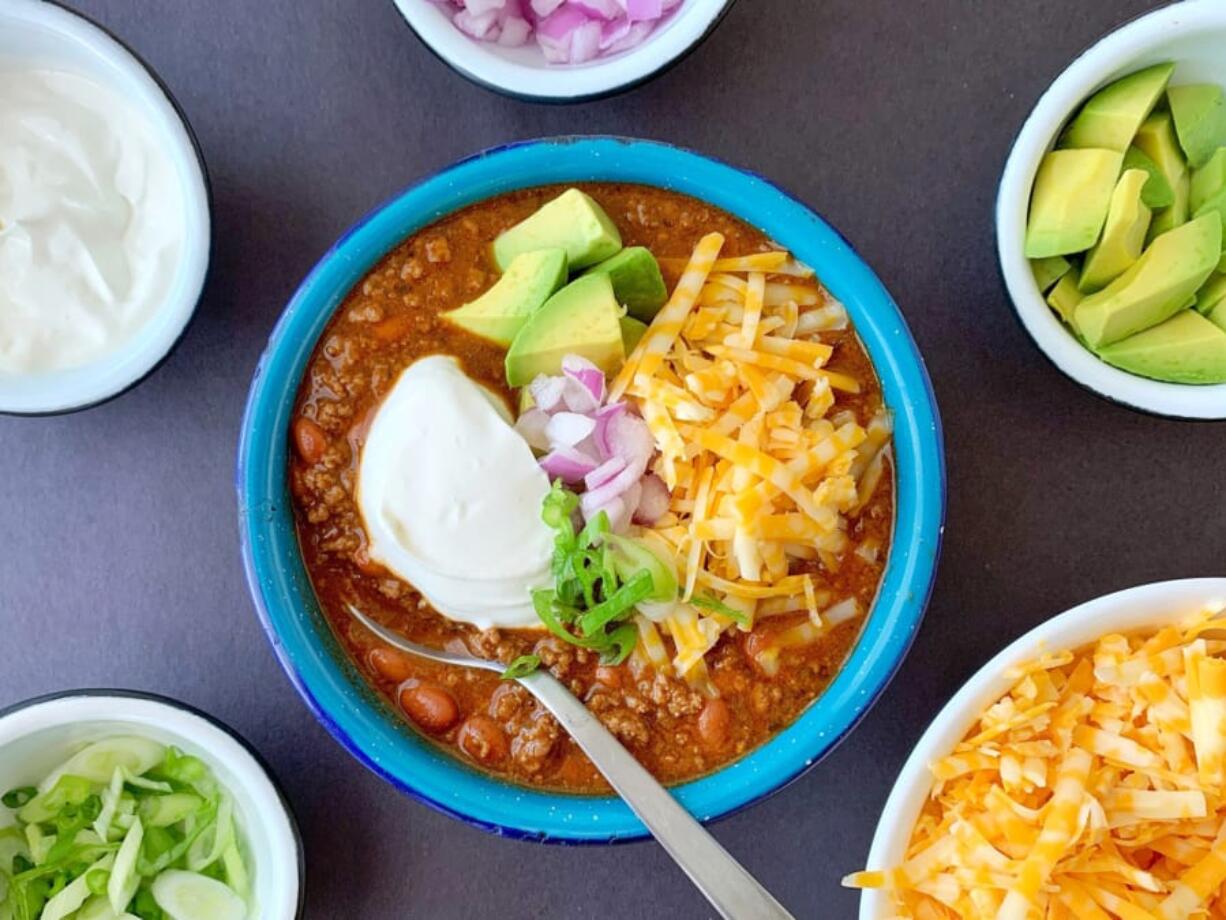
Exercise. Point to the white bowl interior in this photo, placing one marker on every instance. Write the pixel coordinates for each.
(44, 35)
(1147, 607)
(1191, 33)
(523, 71)
(34, 740)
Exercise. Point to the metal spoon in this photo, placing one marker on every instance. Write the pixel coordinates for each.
(732, 891)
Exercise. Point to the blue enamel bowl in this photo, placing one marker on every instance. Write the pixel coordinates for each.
(301, 636)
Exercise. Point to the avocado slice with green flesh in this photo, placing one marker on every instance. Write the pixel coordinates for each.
(1215, 206)
(637, 282)
(1123, 235)
(632, 331)
(1157, 285)
(1157, 192)
(1212, 294)
(572, 221)
(1218, 316)
(1110, 117)
(1156, 139)
(1187, 348)
(1065, 296)
(581, 319)
(1068, 206)
(1221, 266)
(1048, 271)
(1209, 180)
(501, 312)
(1199, 110)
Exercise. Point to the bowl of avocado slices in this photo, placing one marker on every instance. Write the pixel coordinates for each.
(1111, 215)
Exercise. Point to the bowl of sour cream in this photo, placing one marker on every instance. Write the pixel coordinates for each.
(104, 213)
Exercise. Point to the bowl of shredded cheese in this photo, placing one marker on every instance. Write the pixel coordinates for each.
(1080, 773)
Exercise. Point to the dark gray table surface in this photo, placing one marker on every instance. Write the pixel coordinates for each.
(120, 558)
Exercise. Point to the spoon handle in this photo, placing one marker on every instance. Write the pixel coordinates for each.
(732, 891)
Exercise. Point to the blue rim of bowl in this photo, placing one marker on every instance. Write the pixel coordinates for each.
(301, 636)
(617, 90)
(1000, 267)
(295, 831)
(208, 207)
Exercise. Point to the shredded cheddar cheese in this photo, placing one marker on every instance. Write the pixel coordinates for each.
(1093, 788)
(731, 378)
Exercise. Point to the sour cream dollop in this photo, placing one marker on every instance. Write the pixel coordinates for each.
(92, 221)
(451, 496)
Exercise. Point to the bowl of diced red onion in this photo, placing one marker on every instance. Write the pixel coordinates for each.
(561, 50)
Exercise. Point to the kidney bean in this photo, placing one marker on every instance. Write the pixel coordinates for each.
(713, 723)
(483, 739)
(310, 440)
(391, 663)
(430, 706)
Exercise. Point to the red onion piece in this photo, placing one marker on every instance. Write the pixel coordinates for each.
(614, 488)
(480, 7)
(531, 427)
(567, 429)
(644, 10)
(480, 27)
(604, 9)
(585, 372)
(604, 416)
(567, 464)
(634, 36)
(603, 473)
(615, 508)
(543, 8)
(515, 32)
(629, 438)
(546, 392)
(653, 503)
(577, 397)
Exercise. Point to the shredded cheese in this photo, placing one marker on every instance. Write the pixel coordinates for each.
(1093, 788)
(764, 467)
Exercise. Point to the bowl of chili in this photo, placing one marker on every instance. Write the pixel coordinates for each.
(315, 657)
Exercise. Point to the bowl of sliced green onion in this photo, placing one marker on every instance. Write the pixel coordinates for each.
(117, 805)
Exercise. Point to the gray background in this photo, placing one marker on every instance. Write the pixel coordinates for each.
(120, 564)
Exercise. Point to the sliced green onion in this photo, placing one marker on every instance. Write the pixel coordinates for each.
(623, 600)
(15, 798)
(544, 603)
(96, 879)
(521, 667)
(707, 602)
(631, 556)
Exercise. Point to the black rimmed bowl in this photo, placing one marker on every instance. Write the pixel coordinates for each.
(300, 634)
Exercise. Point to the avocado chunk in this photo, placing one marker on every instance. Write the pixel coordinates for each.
(1110, 117)
(501, 312)
(1157, 192)
(1187, 348)
(637, 282)
(1068, 206)
(1215, 206)
(1065, 296)
(1209, 180)
(1156, 287)
(1123, 235)
(1218, 316)
(1156, 139)
(632, 331)
(1212, 294)
(1199, 110)
(572, 221)
(1048, 271)
(581, 319)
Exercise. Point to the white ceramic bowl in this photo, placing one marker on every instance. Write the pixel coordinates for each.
(523, 72)
(37, 735)
(1143, 608)
(1191, 33)
(48, 36)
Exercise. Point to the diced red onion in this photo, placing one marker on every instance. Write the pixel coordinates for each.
(603, 473)
(615, 508)
(567, 464)
(585, 372)
(614, 488)
(629, 438)
(480, 7)
(479, 26)
(641, 10)
(604, 416)
(653, 503)
(577, 397)
(567, 429)
(634, 36)
(604, 9)
(515, 32)
(543, 8)
(531, 427)
(546, 392)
